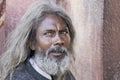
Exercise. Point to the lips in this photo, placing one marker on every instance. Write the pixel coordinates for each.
(57, 52)
(57, 55)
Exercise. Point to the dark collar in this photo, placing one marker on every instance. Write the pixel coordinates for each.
(33, 72)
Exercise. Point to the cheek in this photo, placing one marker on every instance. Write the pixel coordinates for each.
(44, 43)
(67, 41)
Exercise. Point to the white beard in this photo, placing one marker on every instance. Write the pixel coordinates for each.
(52, 67)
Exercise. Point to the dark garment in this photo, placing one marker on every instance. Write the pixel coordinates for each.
(27, 72)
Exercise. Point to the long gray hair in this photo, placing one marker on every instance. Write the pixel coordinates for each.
(17, 45)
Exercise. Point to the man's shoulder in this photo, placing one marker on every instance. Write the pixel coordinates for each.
(26, 72)
(20, 73)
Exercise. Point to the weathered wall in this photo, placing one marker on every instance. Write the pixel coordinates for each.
(87, 16)
(111, 40)
(14, 10)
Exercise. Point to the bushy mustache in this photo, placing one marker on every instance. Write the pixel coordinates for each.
(57, 49)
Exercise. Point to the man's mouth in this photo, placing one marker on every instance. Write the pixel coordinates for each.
(58, 56)
(58, 53)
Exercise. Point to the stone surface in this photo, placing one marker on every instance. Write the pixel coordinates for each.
(87, 16)
(111, 40)
(14, 10)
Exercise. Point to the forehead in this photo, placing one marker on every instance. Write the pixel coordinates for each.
(52, 22)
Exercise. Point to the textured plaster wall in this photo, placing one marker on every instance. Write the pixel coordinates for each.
(87, 16)
(111, 40)
(14, 10)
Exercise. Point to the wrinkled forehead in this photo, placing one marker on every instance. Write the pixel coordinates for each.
(53, 22)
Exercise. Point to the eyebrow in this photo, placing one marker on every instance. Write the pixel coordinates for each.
(64, 29)
(52, 30)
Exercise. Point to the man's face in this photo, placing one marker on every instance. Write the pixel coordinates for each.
(52, 42)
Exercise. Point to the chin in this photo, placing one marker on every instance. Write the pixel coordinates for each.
(54, 66)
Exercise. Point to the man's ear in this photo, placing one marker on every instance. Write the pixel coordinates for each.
(32, 45)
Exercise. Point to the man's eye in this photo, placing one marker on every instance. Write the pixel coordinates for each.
(64, 32)
(49, 34)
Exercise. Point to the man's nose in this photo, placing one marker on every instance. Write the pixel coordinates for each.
(58, 40)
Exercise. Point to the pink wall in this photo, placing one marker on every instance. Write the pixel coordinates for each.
(111, 38)
(14, 10)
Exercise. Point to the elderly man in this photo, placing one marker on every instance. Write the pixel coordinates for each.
(40, 48)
